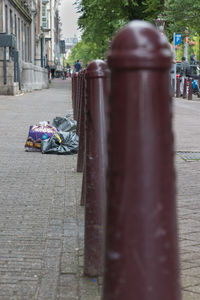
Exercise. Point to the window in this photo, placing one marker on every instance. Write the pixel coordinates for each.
(6, 18)
(16, 26)
(19, 35)
(25, 42)
(22, 38)
(44, 16)
(11, 21)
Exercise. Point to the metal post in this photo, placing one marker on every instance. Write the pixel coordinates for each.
(178, 93)
(198, 94)
(77, 98)
(190, 90)
(4, 66)
(81, 128)
(16, 65)
(141, 259)
(96, 74)
(80, 77)
(186, 45)
(185, 88)
(83, 191)
(174, 63)
(75, 83)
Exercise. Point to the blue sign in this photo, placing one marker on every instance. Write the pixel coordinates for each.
(178, 39)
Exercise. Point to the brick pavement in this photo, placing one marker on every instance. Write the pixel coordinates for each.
(187, 138)
(41, 233)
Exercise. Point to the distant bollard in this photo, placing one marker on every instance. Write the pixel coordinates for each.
(178, 93)
(72, 81)
(81, 127)
(79, 104)
(74, 92)
(185, 88)
(198, 91)
(83, 191)
(78, 95)
(173, 87)
(141, 257)
(96, 74)
(190, 90)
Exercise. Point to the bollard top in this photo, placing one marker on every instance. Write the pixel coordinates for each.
(97, 69)
(74, 74)
(139, 45)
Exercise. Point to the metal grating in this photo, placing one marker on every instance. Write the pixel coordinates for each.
(189, 155)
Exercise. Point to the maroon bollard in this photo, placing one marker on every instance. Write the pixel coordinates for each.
(72, 90)
(141, 259)
(198, 93)
(81, 127)
(83, 191)
(78, 96)
(178, 92)
(190, 90)
(173, 87)
(185, 88)
(80, 76)
(74, 93)
(96, 75)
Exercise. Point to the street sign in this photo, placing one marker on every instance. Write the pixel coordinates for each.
(62, 46)
(178, 39)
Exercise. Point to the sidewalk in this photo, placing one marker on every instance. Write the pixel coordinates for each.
(187, 137)
(41, 233)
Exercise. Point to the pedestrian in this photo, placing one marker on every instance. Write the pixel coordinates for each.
(68, 70)
(184, 72)
(77, 66)
(52, 71)
(192, 59)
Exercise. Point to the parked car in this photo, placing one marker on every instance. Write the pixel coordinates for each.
(194, 70)
(194, 74)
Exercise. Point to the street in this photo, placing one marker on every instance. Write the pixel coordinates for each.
(42, 223)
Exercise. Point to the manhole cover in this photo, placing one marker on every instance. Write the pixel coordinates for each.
(189, 156)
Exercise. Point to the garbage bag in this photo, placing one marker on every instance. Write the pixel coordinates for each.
(36, 134)
(61, 143)
(64, 124)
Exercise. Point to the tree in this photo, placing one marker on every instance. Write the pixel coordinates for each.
(101, 19)
(181, 14)
(85, 52)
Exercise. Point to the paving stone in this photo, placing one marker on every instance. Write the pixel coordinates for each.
(69, 262)
(189, 295)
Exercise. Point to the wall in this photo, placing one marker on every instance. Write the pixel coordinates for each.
(33, 77)
(11, 87)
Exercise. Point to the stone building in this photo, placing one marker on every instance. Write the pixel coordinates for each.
(51, 29)
(27, 43)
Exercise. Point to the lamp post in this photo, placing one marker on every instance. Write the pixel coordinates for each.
(160, 23)
(186, 44)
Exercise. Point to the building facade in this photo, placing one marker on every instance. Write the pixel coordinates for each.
(35, 27)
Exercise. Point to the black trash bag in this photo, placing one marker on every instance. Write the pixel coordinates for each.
(61, 143)
(64, 124)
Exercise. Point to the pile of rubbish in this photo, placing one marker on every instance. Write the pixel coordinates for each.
(59, 137)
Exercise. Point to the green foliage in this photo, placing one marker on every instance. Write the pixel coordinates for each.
(85, 52)
(181, 14)
(101, 19)
(152, 9)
